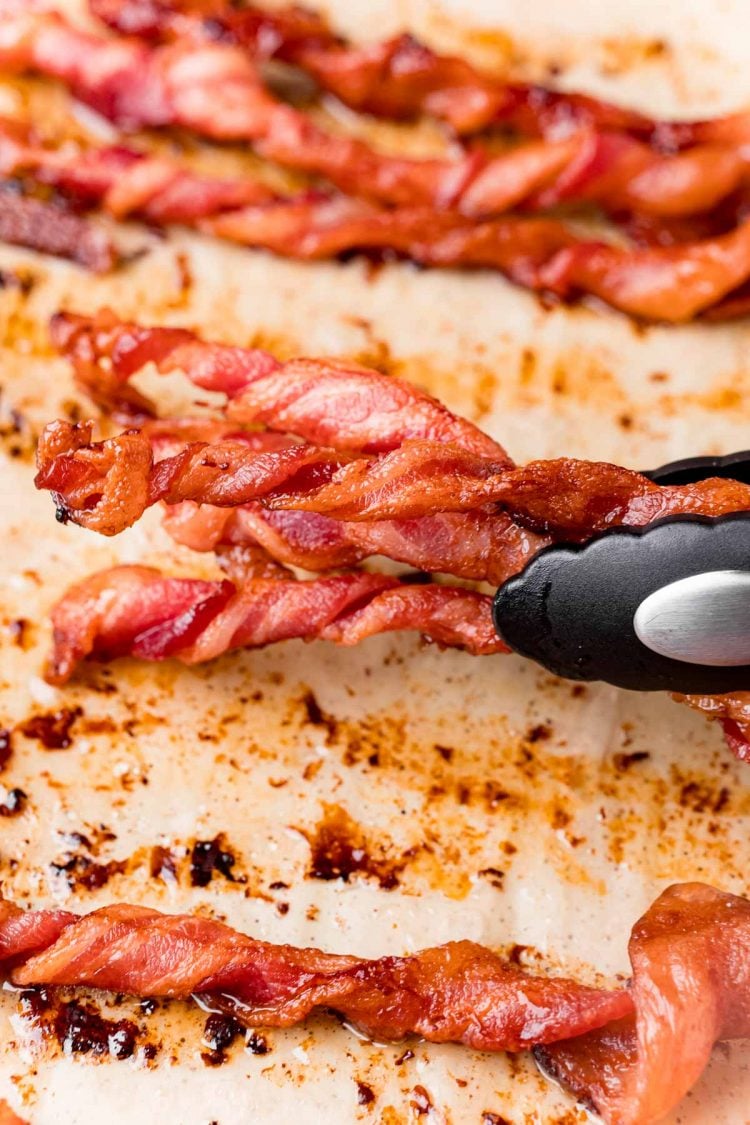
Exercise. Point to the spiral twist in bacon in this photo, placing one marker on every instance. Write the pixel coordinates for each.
(216, 91)
(539, 253)
(401, 77)
(631, 1054)
(137, 611)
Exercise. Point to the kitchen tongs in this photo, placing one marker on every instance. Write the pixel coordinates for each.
(660, 608)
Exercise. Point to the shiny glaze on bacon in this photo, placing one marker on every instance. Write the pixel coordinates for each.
(53, 229)
(137, 611)
(632, 1054)
(400, 77)
(691, 988)
(216, 91)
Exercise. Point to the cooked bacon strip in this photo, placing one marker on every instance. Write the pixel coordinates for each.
(459, 992)
(398, 78)
(632, 1054)
(483, 545)
(137, 611)
(123, 181)
(329, 402)
(691, 987)
(107, 486)
(538, 253)
(216, 91)
(52, 229)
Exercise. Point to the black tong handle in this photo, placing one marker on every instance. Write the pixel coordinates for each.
(572, 608)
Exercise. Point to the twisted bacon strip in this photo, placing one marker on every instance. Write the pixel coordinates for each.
(216, 91)
(542, 254)
(631, 1054)
(329, 402)
(136, 611)
(400, 77)
(50, 228)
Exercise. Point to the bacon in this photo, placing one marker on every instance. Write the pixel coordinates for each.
(459, 992)
(542, 254)
(324, 401)
(123, 181)
(483, 545)
(53, 229)
(632, 1054)
(690, 988)
(137, 611)
(398, 78)
(733, 713)
(216, 91)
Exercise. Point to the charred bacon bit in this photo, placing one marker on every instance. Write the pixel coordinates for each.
(216, 91)
(136, 611)
(52, 229)
(690, 988)
(459, 992)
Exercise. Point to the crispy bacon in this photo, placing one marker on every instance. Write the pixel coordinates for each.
(400, 77)
(137, 611)
(53, 229)
(483, 545)
(632, 1054)
(106, 486)
(460, 992)
(691, 987)
(122, 180)
(542, 254)
(329, 402)
(216, 91)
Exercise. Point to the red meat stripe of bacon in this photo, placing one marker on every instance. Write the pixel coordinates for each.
(137, 611)
(51, 229)
(631, 1054)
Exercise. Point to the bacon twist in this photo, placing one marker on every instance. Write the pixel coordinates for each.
(137, 611)
(667, 283)
(216, 91)
(631, 1054)
(401, 77)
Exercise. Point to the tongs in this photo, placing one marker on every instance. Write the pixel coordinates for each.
(660, 608)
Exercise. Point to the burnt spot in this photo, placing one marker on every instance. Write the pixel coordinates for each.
(365, 1094)
(81, 872)
(162, 864)
(219, 1034)
(256, 1044)
(78, 1027)
(421, 1102)
(19, 631)
(315, 716)
(340, 849)
(52, 729)
(490, 1118)
(6, 747)
(208, 857)
(623, 762)
(14, 803)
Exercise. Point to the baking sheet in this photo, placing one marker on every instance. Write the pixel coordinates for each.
(491, 801)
